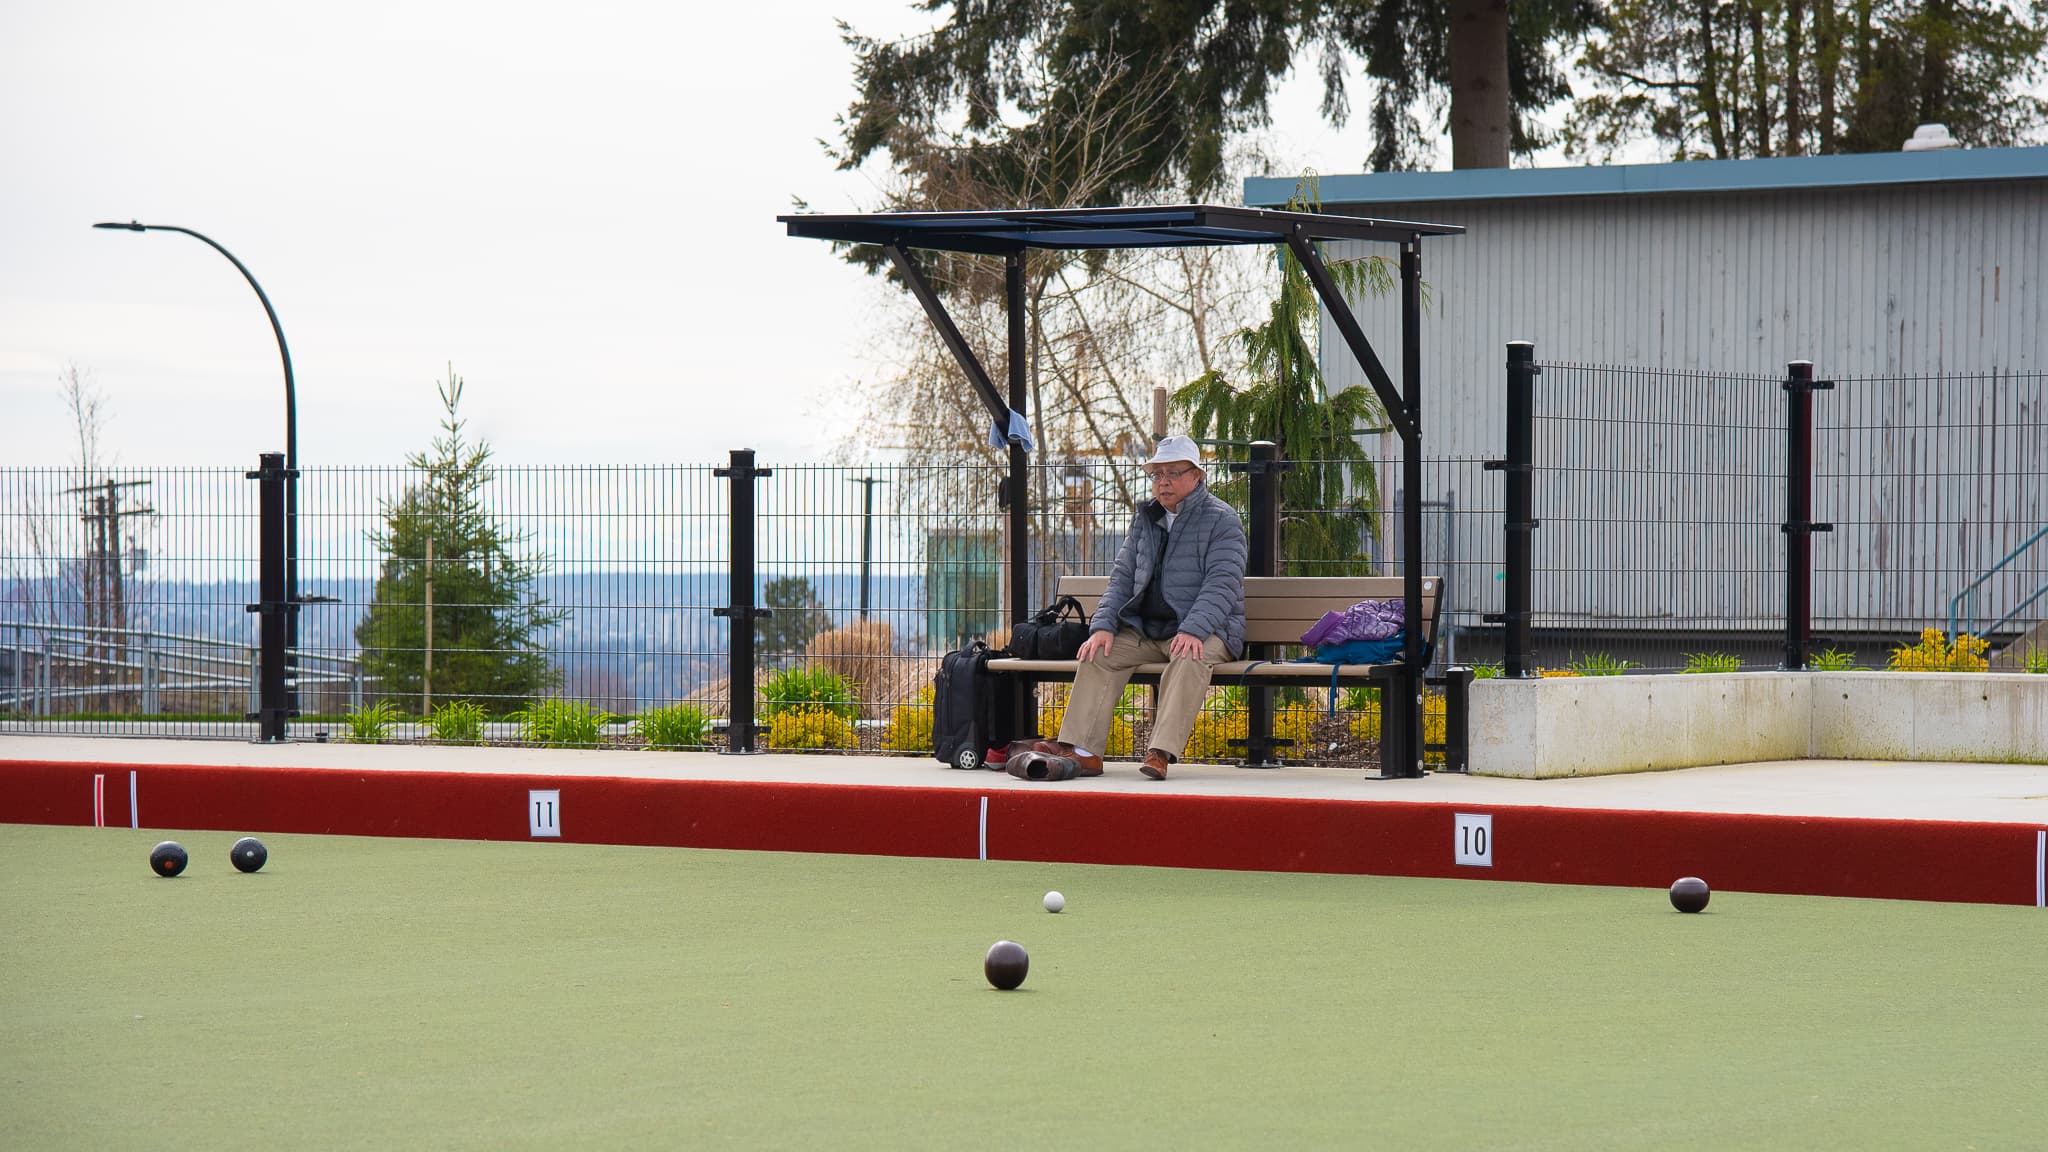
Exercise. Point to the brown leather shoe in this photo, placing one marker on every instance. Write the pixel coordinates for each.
(1155, 763)
(1088, 763)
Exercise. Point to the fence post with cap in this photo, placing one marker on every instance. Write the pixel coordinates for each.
(273, 603)
(741, 611)
(1799, 526)
(1518, 656)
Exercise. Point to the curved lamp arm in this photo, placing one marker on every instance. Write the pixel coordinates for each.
(291, 406)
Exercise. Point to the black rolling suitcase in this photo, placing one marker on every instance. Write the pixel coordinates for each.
(968, 716)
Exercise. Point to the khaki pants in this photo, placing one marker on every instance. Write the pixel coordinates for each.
(1099, 684)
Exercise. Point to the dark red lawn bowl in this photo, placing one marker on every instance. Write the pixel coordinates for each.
(1689, 894)
(1006, 964)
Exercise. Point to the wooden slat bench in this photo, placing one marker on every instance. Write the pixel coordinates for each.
(1277, 610)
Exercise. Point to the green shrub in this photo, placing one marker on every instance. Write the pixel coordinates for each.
(1831, 660)
(371, 724)
(561, 724)
(809, 685)
(458, 722)
(1359, 698)
(1712, 662)
(810, 726)
(1601, 664)
(1488, 671)
(674, 728)
(2037, 661)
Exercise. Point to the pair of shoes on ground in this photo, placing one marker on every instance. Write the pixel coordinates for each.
(1052, 760)
(1086, 763)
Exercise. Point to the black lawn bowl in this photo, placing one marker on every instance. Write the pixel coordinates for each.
(1006, 964)
(168, 858)
(1690, 894)
(249, 854)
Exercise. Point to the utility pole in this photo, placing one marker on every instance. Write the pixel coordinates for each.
(105, 594)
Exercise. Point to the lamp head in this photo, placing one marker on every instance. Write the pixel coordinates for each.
(132, 226)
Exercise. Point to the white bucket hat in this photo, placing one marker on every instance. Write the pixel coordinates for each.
(1172, 448)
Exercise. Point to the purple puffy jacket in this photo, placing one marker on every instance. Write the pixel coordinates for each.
(1365, 620)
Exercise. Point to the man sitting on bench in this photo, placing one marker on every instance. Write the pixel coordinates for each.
(1176, 595)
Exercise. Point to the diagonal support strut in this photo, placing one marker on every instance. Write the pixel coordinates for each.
(1354, 336)
(936, 309)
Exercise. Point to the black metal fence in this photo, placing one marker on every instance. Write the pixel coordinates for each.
(1668, 537)
(605, 588)
(1938, 491)
(1661, 500)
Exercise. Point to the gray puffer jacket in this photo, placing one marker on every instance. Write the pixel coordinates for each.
(1205, 556)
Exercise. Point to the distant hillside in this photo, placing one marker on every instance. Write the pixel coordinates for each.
(643, 636)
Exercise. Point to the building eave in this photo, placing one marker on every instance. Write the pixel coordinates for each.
(1870, 169)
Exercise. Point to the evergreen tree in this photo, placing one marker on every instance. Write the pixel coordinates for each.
(797, 617)
(486, 618)
(1803, 77)
(1216, 65)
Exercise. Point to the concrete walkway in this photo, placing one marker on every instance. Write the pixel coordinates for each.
(1996, 793)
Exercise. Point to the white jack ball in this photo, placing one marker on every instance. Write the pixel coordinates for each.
(1054, 901)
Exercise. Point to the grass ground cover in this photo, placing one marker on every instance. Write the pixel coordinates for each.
(413, 993)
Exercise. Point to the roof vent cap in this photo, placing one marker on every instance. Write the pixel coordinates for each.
(1929, 137)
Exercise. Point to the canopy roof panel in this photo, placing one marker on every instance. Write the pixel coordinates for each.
(1165, 226)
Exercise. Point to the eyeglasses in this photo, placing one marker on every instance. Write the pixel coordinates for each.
(1171, 474)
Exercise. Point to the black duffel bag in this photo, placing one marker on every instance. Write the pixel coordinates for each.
(1055, 633)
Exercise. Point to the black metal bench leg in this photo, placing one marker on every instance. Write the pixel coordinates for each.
(1400, 721)
(1261, 749)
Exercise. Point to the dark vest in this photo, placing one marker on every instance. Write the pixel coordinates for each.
(1150, 613)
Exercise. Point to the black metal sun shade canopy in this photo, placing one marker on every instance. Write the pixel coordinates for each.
(1010, 233)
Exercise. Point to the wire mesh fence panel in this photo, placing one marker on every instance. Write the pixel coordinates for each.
(1938, 491)
(575, 605)
(123, 601)
(550, 604)
(1660, 497)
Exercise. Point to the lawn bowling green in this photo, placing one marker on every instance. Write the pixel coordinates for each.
(386, 992)
(607, 949)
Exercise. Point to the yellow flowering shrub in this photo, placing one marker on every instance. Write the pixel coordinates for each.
(1216, 728)
(1933, 654)
(910, 725)
(1366, 725)
(812, 726)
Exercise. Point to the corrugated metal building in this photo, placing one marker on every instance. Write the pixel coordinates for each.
(1912, 266)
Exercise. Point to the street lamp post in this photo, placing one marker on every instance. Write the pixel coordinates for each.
(867, 534)
(291, 428)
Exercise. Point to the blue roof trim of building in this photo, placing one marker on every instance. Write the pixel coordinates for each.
(1762, 175)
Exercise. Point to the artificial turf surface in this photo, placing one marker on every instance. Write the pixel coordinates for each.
(450, 994)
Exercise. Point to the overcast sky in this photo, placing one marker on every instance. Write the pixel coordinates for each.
(572, 204)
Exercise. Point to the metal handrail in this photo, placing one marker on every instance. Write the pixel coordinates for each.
(19, 626)
(148, 663)
(1970, 590)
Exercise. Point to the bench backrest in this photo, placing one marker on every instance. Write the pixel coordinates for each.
(1278, 609)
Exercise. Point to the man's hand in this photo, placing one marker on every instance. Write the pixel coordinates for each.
(1095, 645)
(1184, 645)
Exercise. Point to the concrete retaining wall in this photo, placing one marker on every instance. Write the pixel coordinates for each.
(1930, 716)
(1596, 725)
